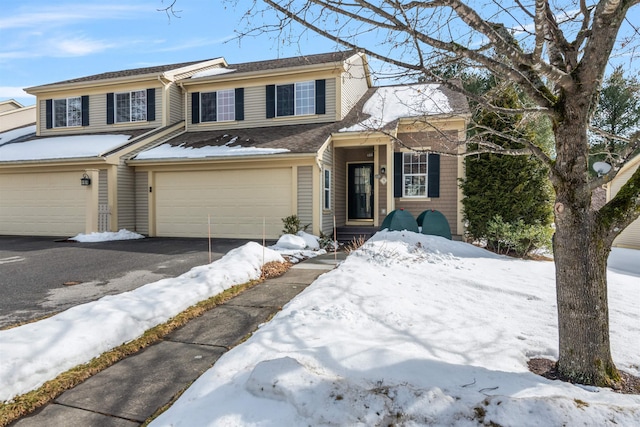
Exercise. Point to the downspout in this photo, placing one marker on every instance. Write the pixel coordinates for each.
(184, 104)
(166, 108)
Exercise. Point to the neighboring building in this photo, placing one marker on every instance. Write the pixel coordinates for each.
(14, 115)
(630, 236)
(166, 148)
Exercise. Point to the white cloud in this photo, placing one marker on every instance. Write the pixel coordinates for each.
(79, 46)
(195, 43)
(12, 92)
(64, 14)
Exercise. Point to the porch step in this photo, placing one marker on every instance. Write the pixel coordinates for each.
(346, 234)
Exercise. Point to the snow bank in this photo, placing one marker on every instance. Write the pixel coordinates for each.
(107, 236)
(414, 330)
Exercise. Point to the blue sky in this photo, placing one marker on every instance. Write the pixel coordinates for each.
(42, 41)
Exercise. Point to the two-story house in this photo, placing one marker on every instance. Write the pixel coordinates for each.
(165, 151)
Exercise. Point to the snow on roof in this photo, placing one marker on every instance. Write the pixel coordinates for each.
(10, 135)
(62, 147)
(212, 72)
(394, 102)
(168, 151)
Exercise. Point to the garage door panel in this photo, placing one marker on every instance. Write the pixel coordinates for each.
(237, 201)
(48, 204)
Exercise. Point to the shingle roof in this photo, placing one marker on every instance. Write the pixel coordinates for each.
(304, 138)
(239, 68)
(298, 61)
(158, 69)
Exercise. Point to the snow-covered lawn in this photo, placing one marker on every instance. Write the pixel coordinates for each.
(415, 330)
(410, 329)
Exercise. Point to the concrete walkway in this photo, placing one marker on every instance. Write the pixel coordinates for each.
(129, 392)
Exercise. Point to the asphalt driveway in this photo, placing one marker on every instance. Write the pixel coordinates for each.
(41, 276)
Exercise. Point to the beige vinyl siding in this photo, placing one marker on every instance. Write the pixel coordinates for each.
(126, 197)
(176, 98)
(255, 113)
(98, 111)
(381, 189)
(142, 202)
(305, 195)
(11, 119)
(447, 203)
(327, 216)
(630, 237)
(354, 84)
(340, 187)
(103, 188)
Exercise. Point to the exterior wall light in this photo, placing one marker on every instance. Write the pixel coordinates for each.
(85, 180)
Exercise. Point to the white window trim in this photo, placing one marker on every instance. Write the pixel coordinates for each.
(326, 190)
(295, 99)
(130, 93)
(312, 83)
(218, 97)
(66, 118)
(425, 174)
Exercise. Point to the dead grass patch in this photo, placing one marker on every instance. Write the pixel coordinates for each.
(27, 403)
(629, 384)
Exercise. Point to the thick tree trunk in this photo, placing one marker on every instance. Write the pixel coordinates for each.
(583, 315)
(581, 248)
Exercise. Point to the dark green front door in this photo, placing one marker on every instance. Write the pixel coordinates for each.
(360, 192)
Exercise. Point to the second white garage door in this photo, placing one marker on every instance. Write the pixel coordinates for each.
(42, 204)
(236, 200)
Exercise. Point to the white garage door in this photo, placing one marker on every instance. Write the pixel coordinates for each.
(237, 202)
(42, 204)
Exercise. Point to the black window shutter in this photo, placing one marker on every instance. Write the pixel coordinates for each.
(195, 107)
(433, 175)
(240, 103)
(49, 113)
(110, 108)
(320, 96)
(271, 101)
(151, 104)
(85, 110)
(397, 175)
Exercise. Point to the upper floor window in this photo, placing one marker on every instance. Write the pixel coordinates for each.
(67, 112)
(134, 106)
(296, 99)
(131, 106)
(218, 106)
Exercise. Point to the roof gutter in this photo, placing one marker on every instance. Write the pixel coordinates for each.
(220, 159)
(53, 162)
(232, 76)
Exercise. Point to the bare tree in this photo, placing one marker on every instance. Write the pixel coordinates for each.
(557, 53)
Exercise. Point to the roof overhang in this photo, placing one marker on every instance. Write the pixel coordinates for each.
(167, 75)
(222, 159)
(338, 66)
(84, 162)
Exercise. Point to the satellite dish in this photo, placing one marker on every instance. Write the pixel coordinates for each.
(601, 168)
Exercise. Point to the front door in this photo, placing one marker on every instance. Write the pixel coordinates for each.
(360, 192)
